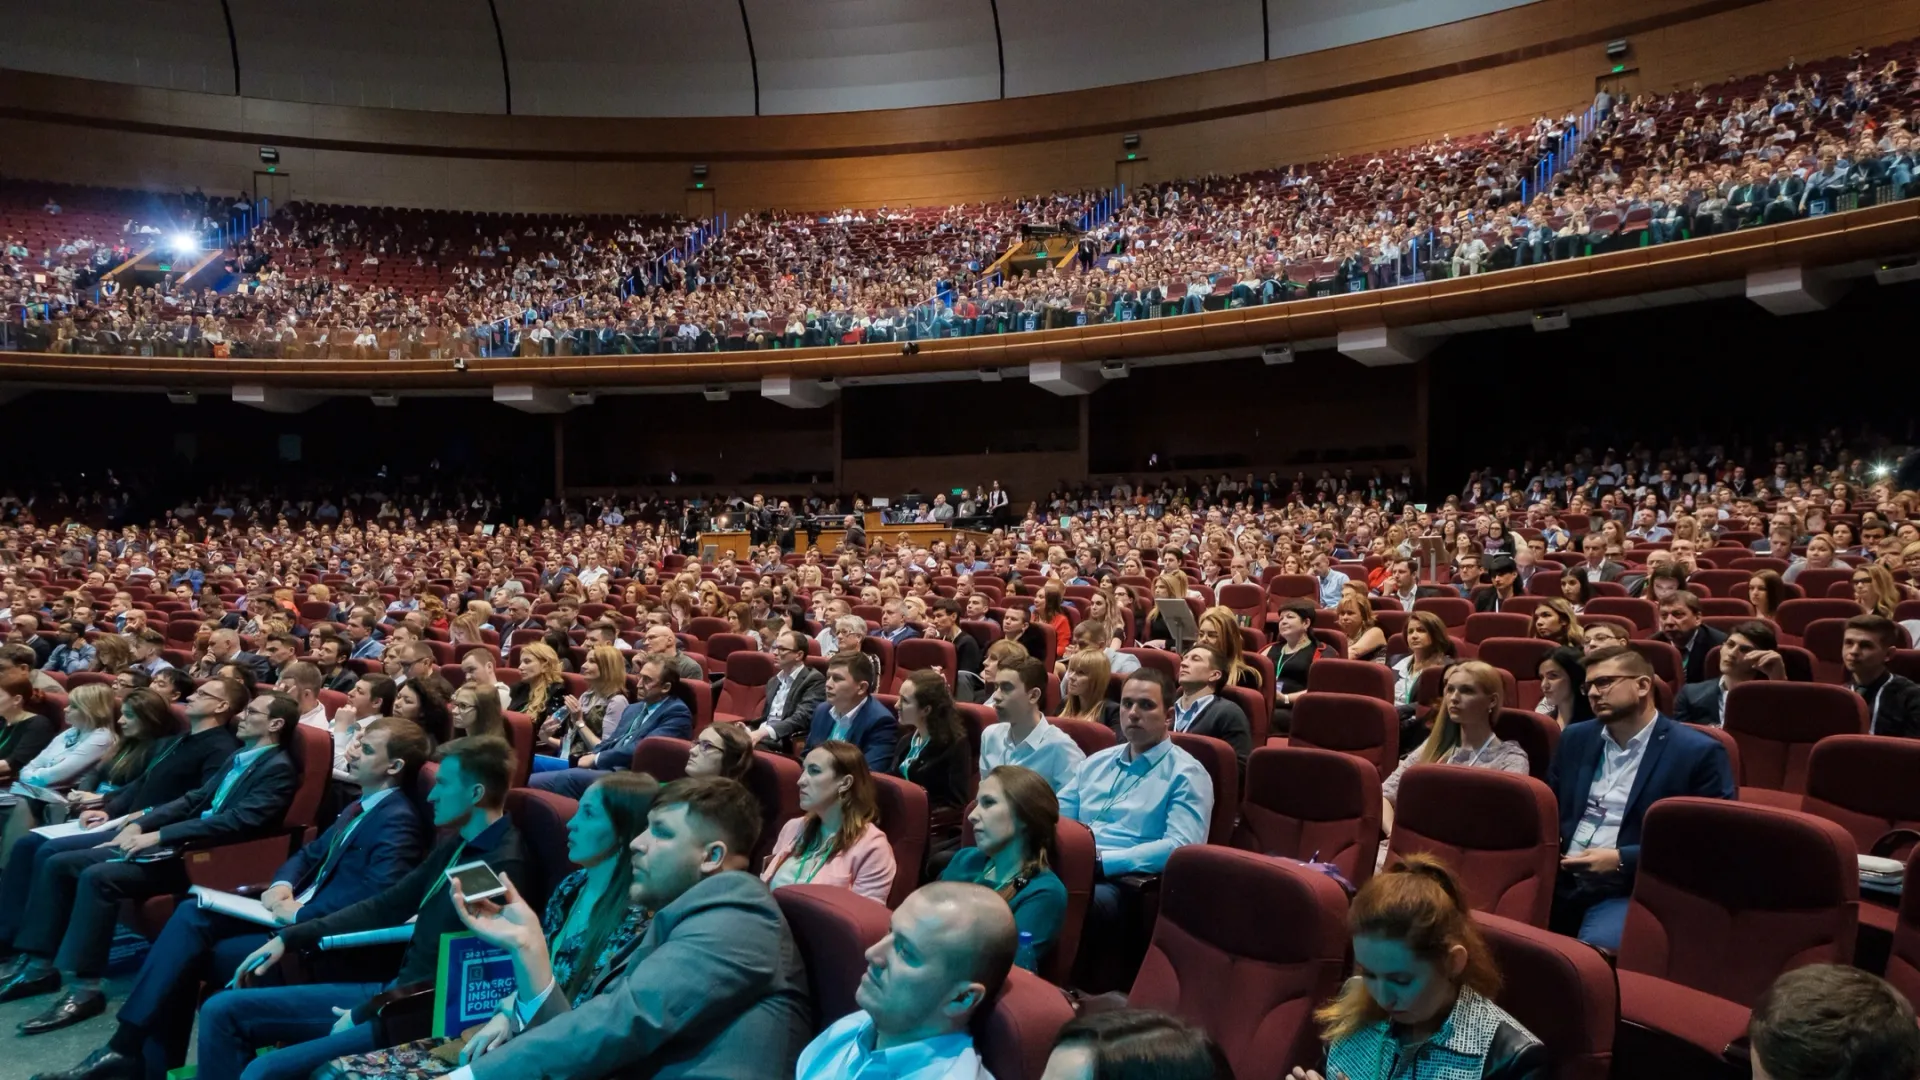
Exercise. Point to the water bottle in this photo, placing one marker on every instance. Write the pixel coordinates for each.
(1023, 956)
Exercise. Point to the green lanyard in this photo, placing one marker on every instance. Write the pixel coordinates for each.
(441, 881)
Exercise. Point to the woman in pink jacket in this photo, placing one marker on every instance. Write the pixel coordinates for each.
(836, 841)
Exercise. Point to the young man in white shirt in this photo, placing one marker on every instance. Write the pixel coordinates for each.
(1023, 736)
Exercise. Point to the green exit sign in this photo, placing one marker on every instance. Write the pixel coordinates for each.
(1618, 68)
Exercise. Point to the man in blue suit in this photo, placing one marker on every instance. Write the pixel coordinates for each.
(1606, 773)
(851, 715)
(374, 842)
(661, 710)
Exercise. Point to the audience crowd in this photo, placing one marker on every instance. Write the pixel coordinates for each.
(373, 283)
(1020, 675)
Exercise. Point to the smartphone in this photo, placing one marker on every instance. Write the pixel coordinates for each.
(478, 881)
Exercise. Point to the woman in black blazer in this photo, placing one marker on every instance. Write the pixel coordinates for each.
(934, 752)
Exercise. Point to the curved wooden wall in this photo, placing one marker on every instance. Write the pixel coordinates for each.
(1504, 67)
(1893, 229)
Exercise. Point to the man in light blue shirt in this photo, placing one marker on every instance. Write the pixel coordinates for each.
(1142, 799)
(73, 654)
(1331, 580)
(948, 951)
(1023, 737)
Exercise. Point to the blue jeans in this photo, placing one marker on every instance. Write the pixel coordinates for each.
(197, 945)
(547, 763)
(236, 1023)
(573, 783)
(1603, 923)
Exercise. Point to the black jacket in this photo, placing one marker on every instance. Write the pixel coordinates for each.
(1515, 1055)
(1695, 654)
(341, 681)
(796, 712)
(255, 805)
(1221, 719)
(424, 892)
(1699, 703)
(20, 743)
(175, 767)
(942, 771)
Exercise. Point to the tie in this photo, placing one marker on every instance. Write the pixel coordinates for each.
(339, 842)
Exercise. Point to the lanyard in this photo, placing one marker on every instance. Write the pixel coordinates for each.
(441, 881)
(1114, 796)
(1873, 710)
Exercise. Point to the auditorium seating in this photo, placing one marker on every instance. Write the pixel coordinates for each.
(1498, 832)
(1727, 896)
(904, 818)
(1313, 805)
(1217, 758)
(1248, 972)
(1777, 725)
(1560, 989)
(1367, 728)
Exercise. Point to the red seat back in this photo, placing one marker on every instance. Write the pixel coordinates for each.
(1247, 602)
(833, 928)
(316, 772)
(1289, 586)
(1823, 638)
(1868, 784)
(541, 817)
(1078, 865)
(1250, 972)
(1336, 676)
(1559, 988)
(904, 818)
(744, 692)
(662, 757)
(916, 654)
(702, 692)
(1794, 615)
(1777, 724)
(1482, 625)
(1016, 1034)
(1903, 963)
(1365, 727)
(1216, 756)
(1499, 833)
(520, 737)
(1313, 805)
(1537, 734)
(1666, 660)
(1519, 656)
(1729, 895)
(705, 626)
(1089, 736)
(723, 645)
(1641, 612)
(1453, 610)
(774, 780)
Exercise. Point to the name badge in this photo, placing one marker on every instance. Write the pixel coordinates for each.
(1583, 835)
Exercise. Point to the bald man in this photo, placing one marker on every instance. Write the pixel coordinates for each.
(947, 954)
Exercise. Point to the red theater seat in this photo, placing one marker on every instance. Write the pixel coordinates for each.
(1498, 832)
(1312, 805)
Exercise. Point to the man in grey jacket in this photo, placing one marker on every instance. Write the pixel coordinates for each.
(714, 988)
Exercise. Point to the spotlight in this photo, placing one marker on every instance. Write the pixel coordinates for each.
(184, 243)
(1883, 470)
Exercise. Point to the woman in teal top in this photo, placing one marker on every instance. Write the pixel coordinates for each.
(1014, 820)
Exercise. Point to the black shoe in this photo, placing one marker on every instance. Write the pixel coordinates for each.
(24, 985)
(78, 1005)
(105, 1063)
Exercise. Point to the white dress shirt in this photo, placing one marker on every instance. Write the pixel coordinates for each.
(1046, 750)
(1606, 806)
(1140, 807)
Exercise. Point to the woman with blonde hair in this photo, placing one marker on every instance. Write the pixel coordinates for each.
(1462, 732)
(1554, 620)
(1365, 640)
(88, 738)
(1220, 631)
(837, 839)
(592, 716)
(1084, 690)
(1171, 585)
(1421, 968)
(538, 694)
(467, 628)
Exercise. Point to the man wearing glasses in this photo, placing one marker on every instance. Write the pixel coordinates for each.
(793, 693)
(1605, 774)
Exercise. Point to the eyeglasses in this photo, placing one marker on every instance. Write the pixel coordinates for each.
(1603, 683)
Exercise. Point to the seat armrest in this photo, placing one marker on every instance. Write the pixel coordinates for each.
(402, 1014)
(1145, 884)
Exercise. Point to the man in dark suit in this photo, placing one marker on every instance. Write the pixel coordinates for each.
(1200, 710)
(68, 927)
(330, 657)
(850, 713)
(1505, 576)
(374, 842)
(1598, 567)
(469, 800)
(1680, 627)
(660, 710)
(1604, 775)
(793, 694)
(715, 987)
(1750, 653)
